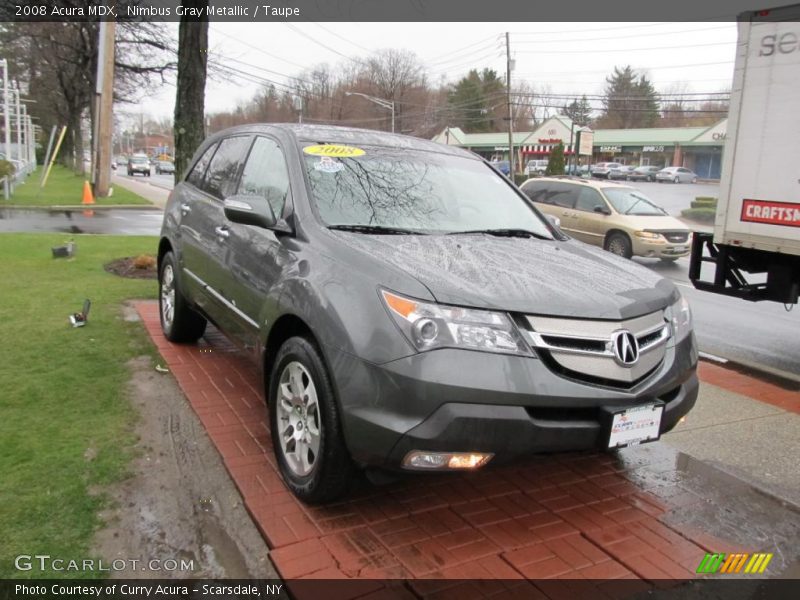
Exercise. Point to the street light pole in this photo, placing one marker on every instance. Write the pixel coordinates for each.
(379, 101)
(6, 108)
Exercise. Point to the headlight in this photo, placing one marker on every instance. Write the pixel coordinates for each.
(429, 326)
(648, 235)
(680, 317)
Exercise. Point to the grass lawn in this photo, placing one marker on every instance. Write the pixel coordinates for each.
(65, 423)
(65, 188)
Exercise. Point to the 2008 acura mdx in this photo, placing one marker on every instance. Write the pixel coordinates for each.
(410, 308)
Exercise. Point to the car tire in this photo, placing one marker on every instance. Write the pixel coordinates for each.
(676, 180)
(620, 244)
(302, 406)
(179, 322)
(694, 179)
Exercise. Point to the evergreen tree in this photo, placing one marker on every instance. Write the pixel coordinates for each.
(579, 111)
(630, 101)
(555, 166)
(474, 101)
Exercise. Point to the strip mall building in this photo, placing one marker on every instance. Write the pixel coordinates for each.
(696, 148)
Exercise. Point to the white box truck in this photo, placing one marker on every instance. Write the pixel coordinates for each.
(755, 247)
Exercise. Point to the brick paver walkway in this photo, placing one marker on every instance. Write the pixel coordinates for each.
(577, 516)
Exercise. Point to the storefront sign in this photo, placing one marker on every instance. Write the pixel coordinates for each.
(585, 141)
(610, 149)
(501, 148)
(652, 148)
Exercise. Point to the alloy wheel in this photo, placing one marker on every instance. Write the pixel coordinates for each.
(167, 296)
(300, 425)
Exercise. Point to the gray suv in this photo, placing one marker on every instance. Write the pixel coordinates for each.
(410, 308)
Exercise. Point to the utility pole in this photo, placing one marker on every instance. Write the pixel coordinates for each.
(512, 171)
(105, 104)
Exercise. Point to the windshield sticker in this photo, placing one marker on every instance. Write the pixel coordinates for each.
(328, 165)
(334, 150)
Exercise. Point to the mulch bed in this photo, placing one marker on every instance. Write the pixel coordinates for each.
(124, 267)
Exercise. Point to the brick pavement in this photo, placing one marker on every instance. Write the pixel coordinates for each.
(576, 516)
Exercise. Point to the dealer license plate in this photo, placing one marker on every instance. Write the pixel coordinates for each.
(635, 425)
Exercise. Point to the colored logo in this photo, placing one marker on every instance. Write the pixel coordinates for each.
(735, 563)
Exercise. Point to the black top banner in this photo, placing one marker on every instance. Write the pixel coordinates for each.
(379, 10)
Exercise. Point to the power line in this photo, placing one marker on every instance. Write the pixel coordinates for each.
(646, 49)
(620, 37)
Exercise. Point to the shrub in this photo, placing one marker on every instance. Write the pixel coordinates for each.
(520, 178)
(705, 201)
(144, 261)
(701, 215)
(698, 204)
(6, 168)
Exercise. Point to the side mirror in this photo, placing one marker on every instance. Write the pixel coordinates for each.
(603, 210)
(249, 210)
(554, 221)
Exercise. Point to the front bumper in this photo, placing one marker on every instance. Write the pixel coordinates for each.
(461, 401)
(659, 249)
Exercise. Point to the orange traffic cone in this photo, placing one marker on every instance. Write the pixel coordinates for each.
(87, 193)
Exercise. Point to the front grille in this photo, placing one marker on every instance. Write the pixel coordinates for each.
(676, 237)
(587, 350)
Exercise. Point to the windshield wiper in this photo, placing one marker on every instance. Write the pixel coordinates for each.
(522, 233)
(378, 229)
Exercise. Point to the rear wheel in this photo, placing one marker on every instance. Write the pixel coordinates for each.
(304, 422)
(178, 321)
(619, 244)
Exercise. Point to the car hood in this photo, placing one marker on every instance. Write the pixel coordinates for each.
(525, 275)
(655, 223)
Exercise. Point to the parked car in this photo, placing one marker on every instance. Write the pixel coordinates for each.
(621, 172)
(139, 163)
(603, 169)
(676, 175)
(503, 166)
(616, 217)
(410, 308)
(536, 167)
(643, 173)
(164, 166)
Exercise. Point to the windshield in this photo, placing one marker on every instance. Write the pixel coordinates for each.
(426, 192)
(138, 159)
(630, 201)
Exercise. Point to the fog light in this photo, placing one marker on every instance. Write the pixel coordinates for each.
(419, 459)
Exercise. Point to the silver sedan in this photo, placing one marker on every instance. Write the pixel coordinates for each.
(676, 175)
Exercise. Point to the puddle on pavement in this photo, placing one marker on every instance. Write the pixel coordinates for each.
(705, 498)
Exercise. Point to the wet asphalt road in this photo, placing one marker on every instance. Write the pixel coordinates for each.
(763, 333)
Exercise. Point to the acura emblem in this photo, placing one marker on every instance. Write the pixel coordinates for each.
(626, 348)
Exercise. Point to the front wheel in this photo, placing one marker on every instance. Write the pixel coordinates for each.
(676, 180)
(619, 244)
(304, 422)
(694, 179)
(178, 321)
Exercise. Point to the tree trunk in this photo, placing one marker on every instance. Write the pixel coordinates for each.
(190, 99)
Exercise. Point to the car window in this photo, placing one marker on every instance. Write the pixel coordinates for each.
(223, 169)
(563, 194)
(195, 176)
(265, 174)
(682, 170)
(588, 199)
(536, 191)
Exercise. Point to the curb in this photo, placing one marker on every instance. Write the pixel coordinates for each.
(82, 207)
(784, 379)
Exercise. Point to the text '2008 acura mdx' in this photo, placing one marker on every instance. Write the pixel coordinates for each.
(411, 309)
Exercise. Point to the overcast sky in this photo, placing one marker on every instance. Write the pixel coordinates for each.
(570, 58)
